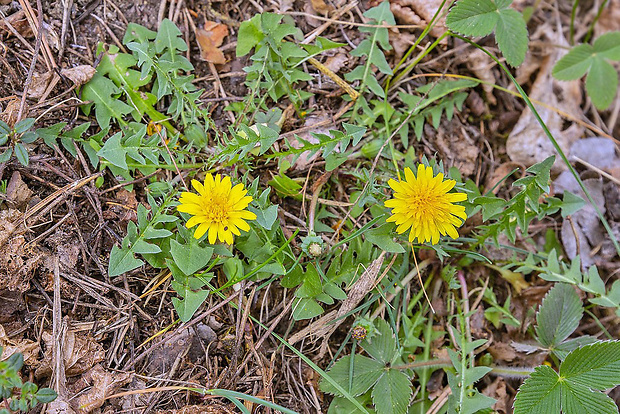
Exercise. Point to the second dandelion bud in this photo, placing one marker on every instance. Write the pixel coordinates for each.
(424, 204)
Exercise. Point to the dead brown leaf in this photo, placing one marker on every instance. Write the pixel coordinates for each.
(478, 62)
(210, 39)
(40, 82)
(17, 191)
(29, 349)
(9, 115)
(457, 148)
(102, 384)
(321, 7)
(336, 62)
(80, 352)
(419, 12)
(19, 22)
(609, 19)
(527, 143)
(79, 75)
(18, 261)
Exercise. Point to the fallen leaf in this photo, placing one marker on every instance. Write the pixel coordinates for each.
(39, 84)
(460, 152)
(527, 143)
(336, 62)
(321, 7)
(80, 353)
(19, 22)
(29, 349)
(18, 260)
(609, 19)
(585, 227)
(80, 74)
(17, 191)
(419, 12)
(210, 39)
(103, 384)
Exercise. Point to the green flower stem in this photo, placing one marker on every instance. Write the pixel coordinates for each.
(417, 60)
(171, 167)
(550, 136)
(427, 29)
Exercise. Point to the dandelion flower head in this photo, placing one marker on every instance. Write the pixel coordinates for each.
(218, 208)
(424, 204)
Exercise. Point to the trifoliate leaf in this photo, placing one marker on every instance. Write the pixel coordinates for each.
(540, 393)
(574, 64)
(382, 346)
(594, 366)
(511, 36)
(577, 400)
(473, 17)
(366, 372)
(392, 393)
(608, 46)
(558, 316)
(602, 83)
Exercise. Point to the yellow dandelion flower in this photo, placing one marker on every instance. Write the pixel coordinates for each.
(218, 208)
(423, 204)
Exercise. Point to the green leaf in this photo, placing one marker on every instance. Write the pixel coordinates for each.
(46, 395)
(571, 204)
(6, 155)
(23, 125)
(608, 46)
(169, 38)
(311, 285)
(190, 257)
(114, 152)
(563, 349)
(102, 91)
(574, 64)
(511, 36)
(476, 403)
(558, 316)
(473, 17)
(306, 308)
(602, 83)
(366, 372)
(381, 346)
(122, 260)
(392, 393)
(540, 393)
(382, 237)
(594, 366)
(265, 217)
(21, 153)
(187, 307)
(250, 35)
(578, 400)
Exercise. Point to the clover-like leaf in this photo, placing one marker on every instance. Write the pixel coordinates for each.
(558, 316)
(602, 78)
(477, 18)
